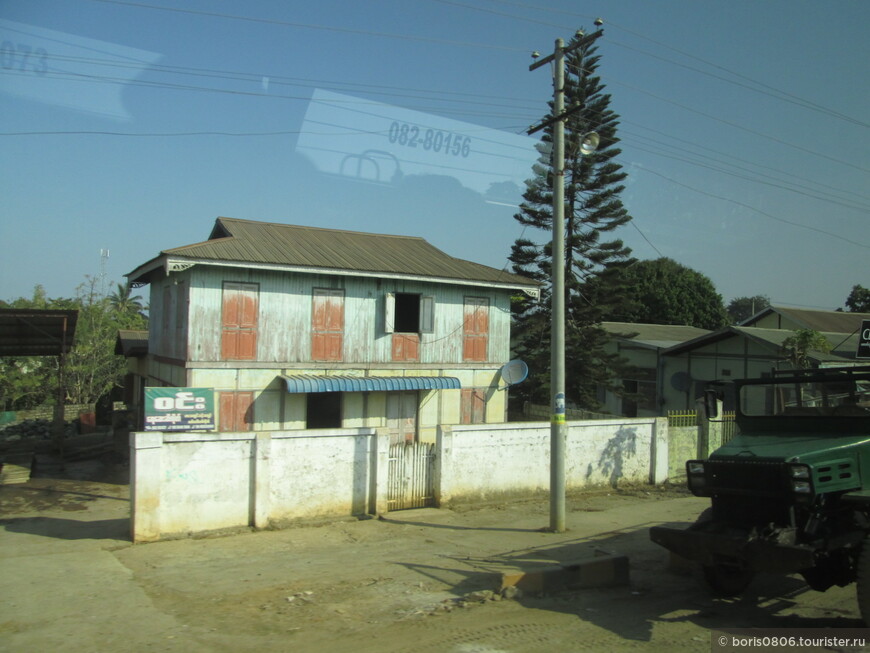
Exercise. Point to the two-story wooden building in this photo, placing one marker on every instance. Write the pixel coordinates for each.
(302, 327)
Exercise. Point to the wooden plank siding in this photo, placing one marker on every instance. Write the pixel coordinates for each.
(284, 330)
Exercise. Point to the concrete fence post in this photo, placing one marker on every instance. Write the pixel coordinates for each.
(660, 454)
(382, 471)
(146, 471)
(714, 434)
(441, 471)
(261, 483)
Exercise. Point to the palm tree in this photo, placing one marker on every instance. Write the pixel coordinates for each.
(123, 302)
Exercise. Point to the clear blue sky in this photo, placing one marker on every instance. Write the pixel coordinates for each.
(131, 126)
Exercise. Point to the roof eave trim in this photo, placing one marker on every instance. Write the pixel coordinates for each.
(139, 277)
(177, 264)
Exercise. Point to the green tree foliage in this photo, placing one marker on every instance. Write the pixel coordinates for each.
(28, 381)
(593, 210)
(663, 291)
(92, 368)
(858, 300)
(124, 303)
(741, 308)
(797, 347)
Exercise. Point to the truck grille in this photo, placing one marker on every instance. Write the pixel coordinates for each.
(749, 493)
(758, 478)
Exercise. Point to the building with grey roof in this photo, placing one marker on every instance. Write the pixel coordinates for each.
(299, 327)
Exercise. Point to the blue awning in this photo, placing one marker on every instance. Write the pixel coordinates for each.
(317, 383)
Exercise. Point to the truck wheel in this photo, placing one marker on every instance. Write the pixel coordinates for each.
(728, 580)
(863, 584)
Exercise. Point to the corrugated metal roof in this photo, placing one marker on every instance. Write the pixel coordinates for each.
(131, 343)
(818, 320)
(659, 336)
(246, 241)
(843, 346)
(317, 383)
(33, 332)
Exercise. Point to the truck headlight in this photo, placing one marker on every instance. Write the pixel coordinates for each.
(801, 479)
(695, 467)
(696, 479)
(802, 487)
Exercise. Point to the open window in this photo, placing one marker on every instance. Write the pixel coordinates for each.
(323, 410)
(409, 313)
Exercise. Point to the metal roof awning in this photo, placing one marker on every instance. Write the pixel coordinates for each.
(318, 383)
(34, 332)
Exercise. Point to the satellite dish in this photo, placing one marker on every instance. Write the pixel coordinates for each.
(514, 372)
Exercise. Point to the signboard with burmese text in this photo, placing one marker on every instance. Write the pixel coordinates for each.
(179, 409)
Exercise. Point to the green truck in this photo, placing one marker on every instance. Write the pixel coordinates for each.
(790, 492)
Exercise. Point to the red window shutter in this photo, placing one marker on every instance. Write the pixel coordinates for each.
(475, 329)
(472, 406)
(239, 317)
(406, 347)
(327, 325)
(237, 411)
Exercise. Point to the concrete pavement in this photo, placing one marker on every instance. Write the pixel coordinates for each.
(72, 581)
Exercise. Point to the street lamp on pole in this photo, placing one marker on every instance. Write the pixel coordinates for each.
(557, 326)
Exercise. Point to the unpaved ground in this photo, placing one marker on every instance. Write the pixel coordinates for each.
(71, 580)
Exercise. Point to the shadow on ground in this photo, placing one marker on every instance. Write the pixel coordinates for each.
(655, 595)
(70, 529)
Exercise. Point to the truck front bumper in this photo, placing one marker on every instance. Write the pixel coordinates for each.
(710, 548)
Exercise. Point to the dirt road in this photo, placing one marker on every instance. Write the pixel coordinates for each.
(417, 581)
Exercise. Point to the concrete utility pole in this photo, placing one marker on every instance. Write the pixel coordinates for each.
(557, 327)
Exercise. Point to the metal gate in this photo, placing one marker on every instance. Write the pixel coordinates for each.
(411, 481)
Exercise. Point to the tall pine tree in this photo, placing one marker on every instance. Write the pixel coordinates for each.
(593, 210)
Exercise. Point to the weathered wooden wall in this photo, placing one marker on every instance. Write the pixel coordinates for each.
(285, 316)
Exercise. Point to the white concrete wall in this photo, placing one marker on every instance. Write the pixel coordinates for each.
(500, 461)
(183, 483)
(195, 482)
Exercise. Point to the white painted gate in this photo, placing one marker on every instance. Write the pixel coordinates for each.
(411, 481)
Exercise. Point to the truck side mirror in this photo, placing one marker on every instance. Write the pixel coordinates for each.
(711, 404)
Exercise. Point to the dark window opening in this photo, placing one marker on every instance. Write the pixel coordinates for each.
(407, 313)
(323, 410)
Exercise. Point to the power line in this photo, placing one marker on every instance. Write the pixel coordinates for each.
(283, 81)
(82, 77)
(746, 175)
(774, 93)
(755, 164)
(740, 127)
(289, 81)
(754, 210)
(284, 23)
(770, 90)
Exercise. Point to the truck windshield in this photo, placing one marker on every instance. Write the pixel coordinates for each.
(799, 398)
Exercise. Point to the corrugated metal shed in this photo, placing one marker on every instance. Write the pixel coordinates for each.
(317, 383)
(317, 249)
(655, 336)
(818, 320)
(32, 332)
(843, 346)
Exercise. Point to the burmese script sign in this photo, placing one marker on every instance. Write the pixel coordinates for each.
(864, 341)
(179, 409)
